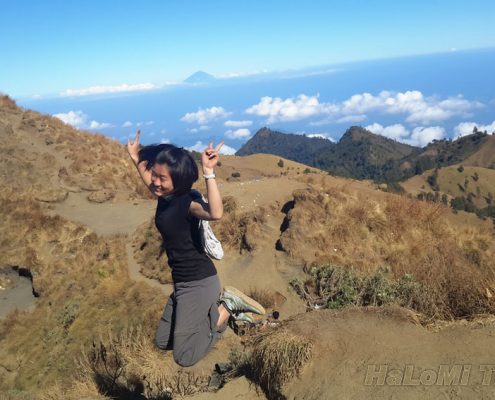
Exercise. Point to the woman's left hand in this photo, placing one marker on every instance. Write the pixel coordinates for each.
(209, 157)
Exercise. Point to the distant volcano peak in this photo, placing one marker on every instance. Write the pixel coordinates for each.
(200, 77)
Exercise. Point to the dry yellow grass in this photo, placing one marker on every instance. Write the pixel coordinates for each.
(241, 231)
(149, 253)
(83, 289)
(367, 232)
(278, 356)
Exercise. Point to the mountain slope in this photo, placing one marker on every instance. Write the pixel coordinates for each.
(362, 154)
(359, 153)
(299, 148)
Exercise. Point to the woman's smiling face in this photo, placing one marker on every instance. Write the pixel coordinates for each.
(161, 180)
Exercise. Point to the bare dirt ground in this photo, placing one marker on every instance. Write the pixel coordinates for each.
(383, 354)
(349, 346)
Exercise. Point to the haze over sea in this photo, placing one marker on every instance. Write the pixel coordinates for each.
(427, 97)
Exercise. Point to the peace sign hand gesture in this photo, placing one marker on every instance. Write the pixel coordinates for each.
(210, 157)
(133, 147)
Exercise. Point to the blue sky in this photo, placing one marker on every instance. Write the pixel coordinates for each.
(48, 47)
(413, 71)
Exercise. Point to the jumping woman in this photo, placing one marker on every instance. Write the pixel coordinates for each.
(197, 312)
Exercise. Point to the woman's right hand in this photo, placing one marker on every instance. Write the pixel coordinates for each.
(133, 147)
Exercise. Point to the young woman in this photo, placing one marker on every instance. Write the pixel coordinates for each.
(197, 312)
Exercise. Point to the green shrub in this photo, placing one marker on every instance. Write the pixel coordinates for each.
(334, 287)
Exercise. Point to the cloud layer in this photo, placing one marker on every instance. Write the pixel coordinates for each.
(417, 108)
(81, 121)
(419, 136)
(466, 128)
(110, 89)
(242, 133)
(203, 116)
(200, 146)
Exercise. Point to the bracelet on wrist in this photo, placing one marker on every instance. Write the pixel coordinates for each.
(209, 176)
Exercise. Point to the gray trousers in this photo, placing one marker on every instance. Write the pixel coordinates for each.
(189, 321)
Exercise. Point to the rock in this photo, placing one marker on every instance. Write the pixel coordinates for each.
(52, 196)
(101, 196)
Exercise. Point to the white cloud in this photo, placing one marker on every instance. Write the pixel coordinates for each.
(238, 124)
(75, 118)
(110, 89)
(204, 128)
(203, 116)
(396, 131)
(351, 119)
(199, 147)
(241, 74)
(290, 109)
(417, 108)
(420, 109)
(99, 125)
(238, 134)
(321, 136)
(421, 136)
(126, 124)
(466, 128)
(193, 130)
(227, 150)
(144, 123)
(164, 141)
(80, 120)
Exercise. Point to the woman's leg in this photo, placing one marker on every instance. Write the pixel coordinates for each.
(164, 337)
(223, 315)
(197, 314)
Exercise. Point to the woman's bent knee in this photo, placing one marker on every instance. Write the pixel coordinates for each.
(185, 359)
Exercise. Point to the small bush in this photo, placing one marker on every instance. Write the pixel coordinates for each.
(241, 231)
(278, 356)
(263, 296)
(236, 174)
(229, 204)
(335, 287)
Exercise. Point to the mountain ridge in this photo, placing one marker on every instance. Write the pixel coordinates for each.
(361, 154)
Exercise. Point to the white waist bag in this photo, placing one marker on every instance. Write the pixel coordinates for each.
(210, 243)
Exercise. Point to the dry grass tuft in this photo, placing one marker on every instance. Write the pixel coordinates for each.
(129, 365)
(263, 296)
(229, 204)
(277, 357)
(241, 231)
(149, 253)
(7, 102)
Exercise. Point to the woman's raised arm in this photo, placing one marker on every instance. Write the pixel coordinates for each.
(214, 209)
(133, 150)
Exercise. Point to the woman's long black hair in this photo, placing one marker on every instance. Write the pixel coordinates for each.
(182, 167)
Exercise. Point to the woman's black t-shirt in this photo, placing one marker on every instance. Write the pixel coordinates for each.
(181, 238)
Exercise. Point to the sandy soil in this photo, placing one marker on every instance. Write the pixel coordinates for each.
(350, 345)
(118, 216)
(346, 343)
(18, 294)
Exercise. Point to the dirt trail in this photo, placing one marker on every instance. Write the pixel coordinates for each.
(136, 275)
(383, 354)
(119, 216)
(265, 268)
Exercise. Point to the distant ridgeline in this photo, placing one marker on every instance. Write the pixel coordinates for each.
(361, 154)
